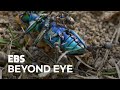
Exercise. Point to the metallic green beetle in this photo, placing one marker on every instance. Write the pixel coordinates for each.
(53, 34)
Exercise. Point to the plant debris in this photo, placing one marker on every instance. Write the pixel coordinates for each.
(97, 28)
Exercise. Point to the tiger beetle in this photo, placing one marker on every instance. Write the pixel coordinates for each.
(54, 35)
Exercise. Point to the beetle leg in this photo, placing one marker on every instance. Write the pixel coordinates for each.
(57, 51)
(50, 38)
(63, 55)
(39, 37)
(64, 43)
(57, 47)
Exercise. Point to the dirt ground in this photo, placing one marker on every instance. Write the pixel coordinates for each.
(97, 28)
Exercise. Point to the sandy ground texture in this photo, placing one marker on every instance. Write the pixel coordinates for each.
(97, 28)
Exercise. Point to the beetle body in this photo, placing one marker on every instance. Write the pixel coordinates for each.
(65, 38)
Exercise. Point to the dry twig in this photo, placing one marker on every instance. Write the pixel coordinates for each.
(107, 52)
(84, 63)
(118, 70)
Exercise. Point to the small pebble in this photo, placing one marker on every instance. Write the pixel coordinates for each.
(70, 19)
(1, 30)
(108, 45)
(6, 36)
(112, 62)
(21, 41)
